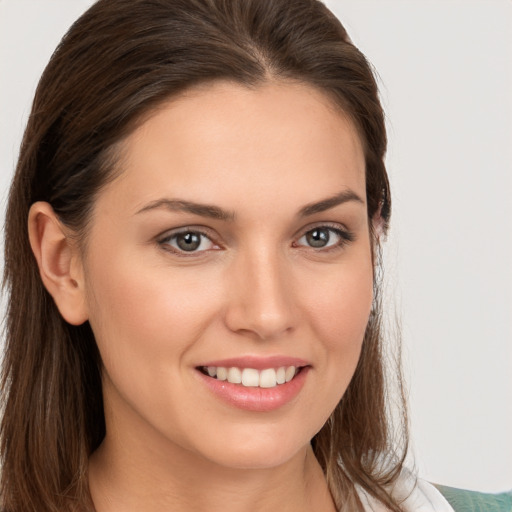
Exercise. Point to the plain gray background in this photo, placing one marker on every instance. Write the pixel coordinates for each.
(446, 82)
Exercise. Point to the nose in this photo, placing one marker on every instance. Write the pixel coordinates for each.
(261, 302)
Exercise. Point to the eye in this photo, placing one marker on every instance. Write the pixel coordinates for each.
(323, 237)
(188, 241)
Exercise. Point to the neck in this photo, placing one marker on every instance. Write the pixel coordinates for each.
(127, 480)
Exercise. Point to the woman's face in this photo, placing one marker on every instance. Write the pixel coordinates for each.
(234, 243)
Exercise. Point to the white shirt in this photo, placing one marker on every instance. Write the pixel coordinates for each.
(417, 495)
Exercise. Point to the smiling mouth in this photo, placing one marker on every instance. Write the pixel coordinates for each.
(252, 378)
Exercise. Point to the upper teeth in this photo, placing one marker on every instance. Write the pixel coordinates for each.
(250, 377)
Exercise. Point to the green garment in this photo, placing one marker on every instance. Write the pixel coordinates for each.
(471, 501)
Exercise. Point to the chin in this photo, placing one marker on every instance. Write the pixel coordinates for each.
(256, 450)
(258, 459)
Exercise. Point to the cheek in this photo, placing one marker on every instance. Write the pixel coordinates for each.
(340, 309)
(147, 320)
(339, 316)
(140, 312)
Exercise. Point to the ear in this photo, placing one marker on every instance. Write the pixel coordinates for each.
(59, 261)
(378, 231)
(378, 224)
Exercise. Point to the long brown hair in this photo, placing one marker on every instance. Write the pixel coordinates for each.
(118, 63)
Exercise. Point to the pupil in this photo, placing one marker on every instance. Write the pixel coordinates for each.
(318, 237)
(188, 241)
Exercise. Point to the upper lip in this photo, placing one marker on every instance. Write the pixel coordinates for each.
(257, 362)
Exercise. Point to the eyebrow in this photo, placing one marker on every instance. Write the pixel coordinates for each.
(215, 212)
(179, 205)
(330, 202)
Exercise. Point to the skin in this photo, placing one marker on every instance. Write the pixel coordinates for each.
(254, 287)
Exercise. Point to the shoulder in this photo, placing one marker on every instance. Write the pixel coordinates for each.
(417, 495)
(471, 501)
(412, 493)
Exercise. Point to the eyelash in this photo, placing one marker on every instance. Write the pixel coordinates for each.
(344, 238)
(165, 242)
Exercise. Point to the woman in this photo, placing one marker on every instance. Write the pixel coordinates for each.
(194, 312)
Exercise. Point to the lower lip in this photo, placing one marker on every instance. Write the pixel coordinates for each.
(255, 398)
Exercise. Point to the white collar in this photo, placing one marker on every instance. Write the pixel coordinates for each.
(417, 495)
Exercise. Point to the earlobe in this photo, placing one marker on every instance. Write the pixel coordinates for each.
(59, 262)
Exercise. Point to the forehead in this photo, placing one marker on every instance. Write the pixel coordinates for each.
(271, 141)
